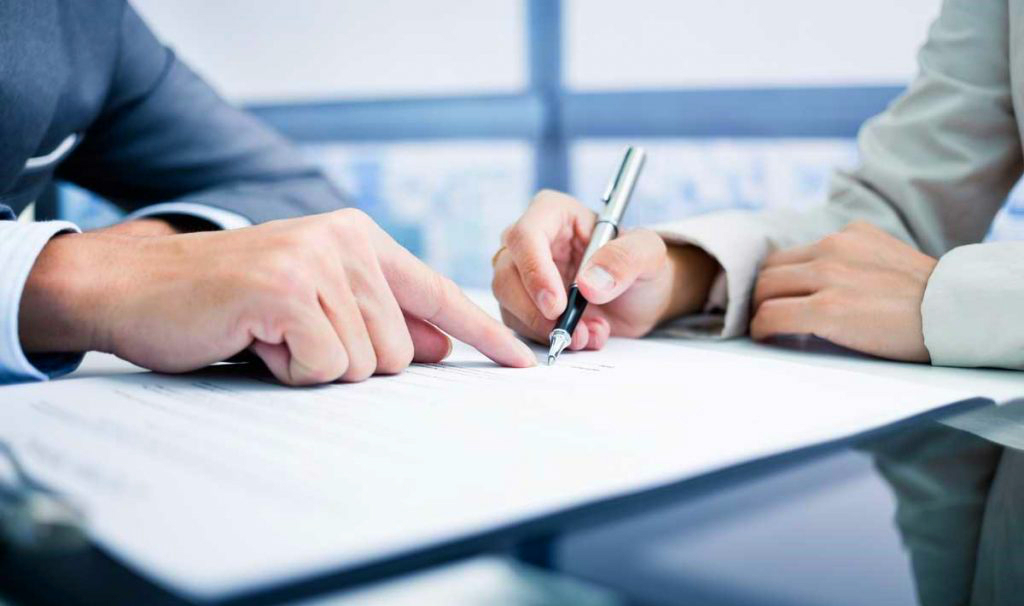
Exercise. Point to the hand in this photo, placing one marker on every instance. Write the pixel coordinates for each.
(318, 298)
(633, 283)
(860, 288)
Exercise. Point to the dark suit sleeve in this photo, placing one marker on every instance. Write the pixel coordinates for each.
(164, 135)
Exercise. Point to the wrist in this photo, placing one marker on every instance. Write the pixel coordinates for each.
(691, 274)
(67, 295)
(145, 227)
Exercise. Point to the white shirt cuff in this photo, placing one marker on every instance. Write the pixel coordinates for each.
(20, 245)
(738, 241)
(224, 219)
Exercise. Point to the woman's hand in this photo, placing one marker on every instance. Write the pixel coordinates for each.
(633, 283)
(860, 288)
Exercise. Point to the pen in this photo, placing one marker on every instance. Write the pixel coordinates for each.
(616, 199)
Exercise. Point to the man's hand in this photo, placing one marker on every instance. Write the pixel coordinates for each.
(633, 283)
(320, 298)
(860, 288)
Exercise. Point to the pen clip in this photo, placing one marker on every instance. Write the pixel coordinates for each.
(614, 183)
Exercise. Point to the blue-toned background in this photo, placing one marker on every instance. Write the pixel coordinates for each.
(442, 118)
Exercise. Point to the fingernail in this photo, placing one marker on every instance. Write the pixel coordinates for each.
(546, 299)
(451, 347)
(598, 278)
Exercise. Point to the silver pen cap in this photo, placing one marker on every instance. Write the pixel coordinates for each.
(616, 199)
(620, 188)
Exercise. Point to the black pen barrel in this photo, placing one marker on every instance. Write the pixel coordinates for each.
(573, 311)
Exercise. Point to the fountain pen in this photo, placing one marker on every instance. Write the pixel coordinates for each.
(615, 199)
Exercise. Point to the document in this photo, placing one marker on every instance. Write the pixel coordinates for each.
(220, 483)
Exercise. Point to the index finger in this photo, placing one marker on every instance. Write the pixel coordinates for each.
(425, 294)
(553, 219)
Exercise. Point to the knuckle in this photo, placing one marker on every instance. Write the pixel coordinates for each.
(441, 291)
(322, 373)
(352, 216)
(282, 278)
(762, 285)
(325, 374)
(758, 328)
(396, 358)
(447, 290)
(660, 248)
(651, 237)
(516, 236)
(502, 282)
(359, 279)
(827, 303)
(350, 226)
(546, 195)
(617, 258)
(826, 271)
(354, 237)
(772, 312)
(530, 269)
(555, 199)
(766, 311)
(361, 368)
(831, 242)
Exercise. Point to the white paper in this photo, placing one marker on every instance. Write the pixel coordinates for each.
(215, 484)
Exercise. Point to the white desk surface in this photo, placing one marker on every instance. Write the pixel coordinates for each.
(1000, 385)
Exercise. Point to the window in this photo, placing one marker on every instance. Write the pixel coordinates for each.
(268, 51)
(654, 44)
(441, 118)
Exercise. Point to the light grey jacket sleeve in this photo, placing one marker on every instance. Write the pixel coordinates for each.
(935, 169)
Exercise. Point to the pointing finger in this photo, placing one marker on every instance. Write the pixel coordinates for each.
(425, 294)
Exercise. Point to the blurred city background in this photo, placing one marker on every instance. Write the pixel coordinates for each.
(441, 118)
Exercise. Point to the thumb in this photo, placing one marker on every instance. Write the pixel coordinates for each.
(636, 255)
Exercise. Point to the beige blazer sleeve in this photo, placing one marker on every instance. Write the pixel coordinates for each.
(936, 167)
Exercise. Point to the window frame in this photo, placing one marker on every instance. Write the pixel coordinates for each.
(550, 117)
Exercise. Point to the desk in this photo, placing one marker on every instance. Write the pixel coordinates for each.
(817, 529)
(764, 533)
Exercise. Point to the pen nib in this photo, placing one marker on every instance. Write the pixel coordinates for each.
(559, 340)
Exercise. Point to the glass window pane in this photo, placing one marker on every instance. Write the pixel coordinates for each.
(268, 50)
(446, 202)
(684, 177)
(613, 45)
